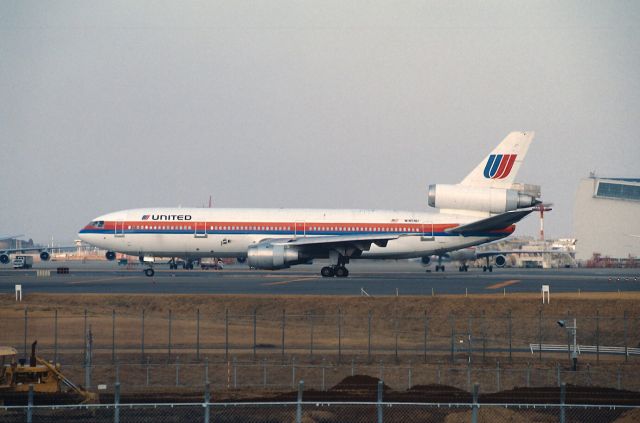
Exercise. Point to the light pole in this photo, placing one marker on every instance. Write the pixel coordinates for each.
(573, 330)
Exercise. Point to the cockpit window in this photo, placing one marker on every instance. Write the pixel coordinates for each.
(97, 223)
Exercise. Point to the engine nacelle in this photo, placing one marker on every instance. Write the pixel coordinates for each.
(110, 255)
(4, 258)
(492, 200)
(272, 257)
(500, 260)
(45, 256)
(426, 260)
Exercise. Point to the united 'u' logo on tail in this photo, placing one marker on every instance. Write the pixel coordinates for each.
(499, 166)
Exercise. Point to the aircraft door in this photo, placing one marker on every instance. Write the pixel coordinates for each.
(119, 228)
(300, 229)
(200, 229)
(427, 232)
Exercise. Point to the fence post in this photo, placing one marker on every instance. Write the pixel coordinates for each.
(453, 333)
(474, 407)
(563, 395)
(368, 341)
(395, 334)
(30, 404)
(311, 336)
(410, 375)
(84, 334)
(198, 334)
(619, 379)
(284, 321)
(598, 336)
(381, 370)
(87, 358)
(528, 375)
(339, 335)
(148, 369)
(264, 372)
(142, 339)
(113, 335)
(116, 404)
(498, 376)
(226, 334)
(26, 322)
(299, 403)
(540, 334)
(558, 376)
(426, 328)
(510, 340)
(177, 370)
(207, 400)
(293, 372)
(353, 367)
(626, 346)
(255, 332)
(323, 370)
(469, 374)
(380, 386)
(206, 370)
(484, 337)
(55, 337)
(169, 345)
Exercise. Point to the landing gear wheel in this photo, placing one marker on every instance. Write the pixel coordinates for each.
(490, 268)
(341, 272)
(149, 272)
(484, 268)
(466, 268)
(461, 269)
(327, 272)
(110, 255)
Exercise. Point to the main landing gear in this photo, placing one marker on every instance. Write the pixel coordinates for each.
(331, 271)
(149, 272)
(463, 268)
(487, 266)
(339, 270)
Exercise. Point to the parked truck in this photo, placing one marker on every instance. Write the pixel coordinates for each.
(23, 262)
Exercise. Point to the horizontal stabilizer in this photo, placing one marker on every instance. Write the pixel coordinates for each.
(492, 223)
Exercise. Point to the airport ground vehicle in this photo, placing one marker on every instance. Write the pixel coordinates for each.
(17, 375)
(23, 262)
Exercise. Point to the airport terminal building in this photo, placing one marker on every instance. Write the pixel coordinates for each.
(607, 218)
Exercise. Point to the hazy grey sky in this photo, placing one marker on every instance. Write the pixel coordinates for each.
(107, 105)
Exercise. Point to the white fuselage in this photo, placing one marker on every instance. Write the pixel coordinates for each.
(205, 232)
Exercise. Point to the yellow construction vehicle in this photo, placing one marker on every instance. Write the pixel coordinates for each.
(44, 376)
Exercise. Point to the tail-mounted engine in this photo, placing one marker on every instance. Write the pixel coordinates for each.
(492, 200)
(268, 256)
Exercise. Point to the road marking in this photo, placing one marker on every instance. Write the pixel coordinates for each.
(117, 278)
(289, 281)
(503, 284)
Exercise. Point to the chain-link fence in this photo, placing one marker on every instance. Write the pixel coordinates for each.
(275, 375)
(311, 335)
(322, 412)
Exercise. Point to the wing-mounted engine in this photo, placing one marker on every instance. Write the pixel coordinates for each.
(482, 199)
(268, 256)
(500, 260)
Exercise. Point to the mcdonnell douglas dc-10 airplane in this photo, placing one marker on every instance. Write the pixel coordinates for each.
(481, 208)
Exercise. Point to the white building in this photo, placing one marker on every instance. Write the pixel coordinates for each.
(607, 218)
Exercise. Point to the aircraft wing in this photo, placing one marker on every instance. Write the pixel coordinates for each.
(492, 223)
(362, 242)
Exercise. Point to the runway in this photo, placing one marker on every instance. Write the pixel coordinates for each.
(367, 278)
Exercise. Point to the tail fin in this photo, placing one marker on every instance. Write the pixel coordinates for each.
(500, 167)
